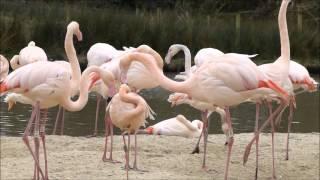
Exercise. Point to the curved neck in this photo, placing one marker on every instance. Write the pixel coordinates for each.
(155, 54)
(284, 36)
(14, 62)
(187, 56)
(72, 57)
(4, 65)
(164, 82)
(132, 98)
(85, 83)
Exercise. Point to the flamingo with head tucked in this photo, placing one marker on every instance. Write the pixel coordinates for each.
(128, 111)
(27, 55)
(4, 67)
(229, 80)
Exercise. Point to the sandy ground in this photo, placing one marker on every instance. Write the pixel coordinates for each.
(163, 158)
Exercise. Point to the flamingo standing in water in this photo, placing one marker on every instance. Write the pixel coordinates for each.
(231, 79)
(4, 67)
(128, 111)
(50, 86)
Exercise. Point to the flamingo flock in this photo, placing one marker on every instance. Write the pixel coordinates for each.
(215, 83)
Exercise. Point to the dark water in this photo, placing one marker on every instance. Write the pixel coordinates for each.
(306, 117)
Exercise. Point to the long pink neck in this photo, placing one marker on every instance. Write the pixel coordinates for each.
(131, 98)
(155, 54)
(283, 28)
(85, 81)
(73, 59)
(4, 67)
(164, 82)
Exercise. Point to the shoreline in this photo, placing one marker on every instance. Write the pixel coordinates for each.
(163, 157)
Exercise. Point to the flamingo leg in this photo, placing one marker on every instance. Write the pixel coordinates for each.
(27, 133)
(135, 152)
(57, 121)
(126, 150)
(104, 156)
(257, 140)
(272, 140)
(62, 121)
(230, 141)
(109, 131)
(289, 128)
(196, 148)
(271, 117)
(205, 137)
(95, 132)
(43, 139)
(36, 139)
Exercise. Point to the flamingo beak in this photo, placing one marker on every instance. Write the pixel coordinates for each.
(10, 105)
(79, 35)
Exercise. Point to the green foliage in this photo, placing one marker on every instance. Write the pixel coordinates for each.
(45, 23)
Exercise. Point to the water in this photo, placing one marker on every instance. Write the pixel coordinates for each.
(306, 117)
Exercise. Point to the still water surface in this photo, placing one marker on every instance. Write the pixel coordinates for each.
(306, 117)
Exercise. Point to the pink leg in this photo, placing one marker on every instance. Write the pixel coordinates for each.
(230, 142)
(135, 152)
(43, 139)
(62, 121)
(205, 137)
(289, 128)
(36, 139)
(26, 140)
(270, 118)
(257, 140)
(57, 121)
(106, 121)
(196, 148)
(95, 132)
(126, 150)
(272, 141)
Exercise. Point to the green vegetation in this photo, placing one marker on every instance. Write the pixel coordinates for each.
(121, 24)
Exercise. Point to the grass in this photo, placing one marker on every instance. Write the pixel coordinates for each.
(45, 23)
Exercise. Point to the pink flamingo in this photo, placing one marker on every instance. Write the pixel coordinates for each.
(27, 55)
(231, 80)
(128, 111)
(278, 71)
(101, 54)
(176, 126)
(50, 86)
(4, 67)
(137, 77)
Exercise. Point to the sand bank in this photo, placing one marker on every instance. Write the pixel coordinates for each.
(163, 158)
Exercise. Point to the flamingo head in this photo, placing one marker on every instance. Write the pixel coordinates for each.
(177, 98)
(173, 50)
(75, 28)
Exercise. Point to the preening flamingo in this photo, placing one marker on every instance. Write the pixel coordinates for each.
(50, 86)
(4, 67)
(101, 54)
(176, 126)
(229, 80)
(128, 111)
(278, 71)
(27, 55)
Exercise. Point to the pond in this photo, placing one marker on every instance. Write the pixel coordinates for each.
(306, 116)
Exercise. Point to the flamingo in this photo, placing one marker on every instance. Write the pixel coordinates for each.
(278, 71)
(50, 86)
(181, 98)
(128, 111)
(4, 67)
(100, 54)
(137, 78)
(176, 126)
(27, 55)
(229, 80)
